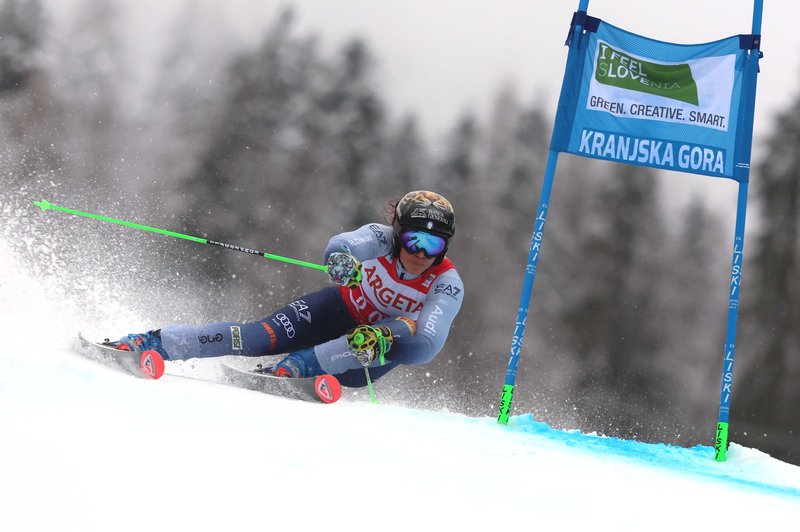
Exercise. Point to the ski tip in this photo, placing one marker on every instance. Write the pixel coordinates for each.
(327, 388)
(151, 364)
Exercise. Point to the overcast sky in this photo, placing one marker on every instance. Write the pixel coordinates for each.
(438, 58)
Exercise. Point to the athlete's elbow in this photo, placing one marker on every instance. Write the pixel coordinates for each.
(425, 351)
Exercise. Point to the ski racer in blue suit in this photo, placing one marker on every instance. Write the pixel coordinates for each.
(395, 299)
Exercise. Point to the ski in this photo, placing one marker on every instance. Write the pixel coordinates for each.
(149, 364)
(146, 364)
(322, 388)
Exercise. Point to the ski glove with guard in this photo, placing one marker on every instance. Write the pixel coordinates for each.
(367, 343)
(344, 269)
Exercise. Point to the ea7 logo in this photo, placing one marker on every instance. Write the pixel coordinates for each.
(448, 289)
(299, 307)
(376, 230)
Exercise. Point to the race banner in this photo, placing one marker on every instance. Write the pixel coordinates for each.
(635, 100)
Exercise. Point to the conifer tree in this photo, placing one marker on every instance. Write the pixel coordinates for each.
(459, 165)
(238, 188)
(614, 319)
(356, 116)
(21, 31)
(695, 298)
(29, 108)
(767, 390)
(406, 164)
(91, 70)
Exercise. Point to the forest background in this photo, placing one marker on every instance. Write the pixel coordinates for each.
(279, 144)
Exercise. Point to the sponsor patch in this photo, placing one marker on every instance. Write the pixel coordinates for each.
(283, 319)
(447, 289)
(273, 339)
(669, 80)
(359, 240)
(379, 234)
(208, 339)
(301, 310)
(236, 338)
(430, 325)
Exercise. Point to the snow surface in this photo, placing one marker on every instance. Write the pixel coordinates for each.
(86, 448)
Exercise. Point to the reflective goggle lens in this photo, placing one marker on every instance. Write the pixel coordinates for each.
(416, 241)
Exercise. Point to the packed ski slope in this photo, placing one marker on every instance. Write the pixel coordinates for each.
(84, 448)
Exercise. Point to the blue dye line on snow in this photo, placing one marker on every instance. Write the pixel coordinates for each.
(697, 461)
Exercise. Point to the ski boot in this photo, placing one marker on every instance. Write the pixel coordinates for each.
(149, 341)
(296, 365)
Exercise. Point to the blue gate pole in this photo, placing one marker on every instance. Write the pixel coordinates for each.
(721, 438)
(527, 288)
(507, 394)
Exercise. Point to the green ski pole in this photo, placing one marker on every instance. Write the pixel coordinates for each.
(372, 398)
(45, 206)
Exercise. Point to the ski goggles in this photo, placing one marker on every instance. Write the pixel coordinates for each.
(416, 241)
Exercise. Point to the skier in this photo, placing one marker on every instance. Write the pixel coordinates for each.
(396, 299)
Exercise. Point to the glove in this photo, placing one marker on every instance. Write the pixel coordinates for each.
(344, 269)
(367, 343)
